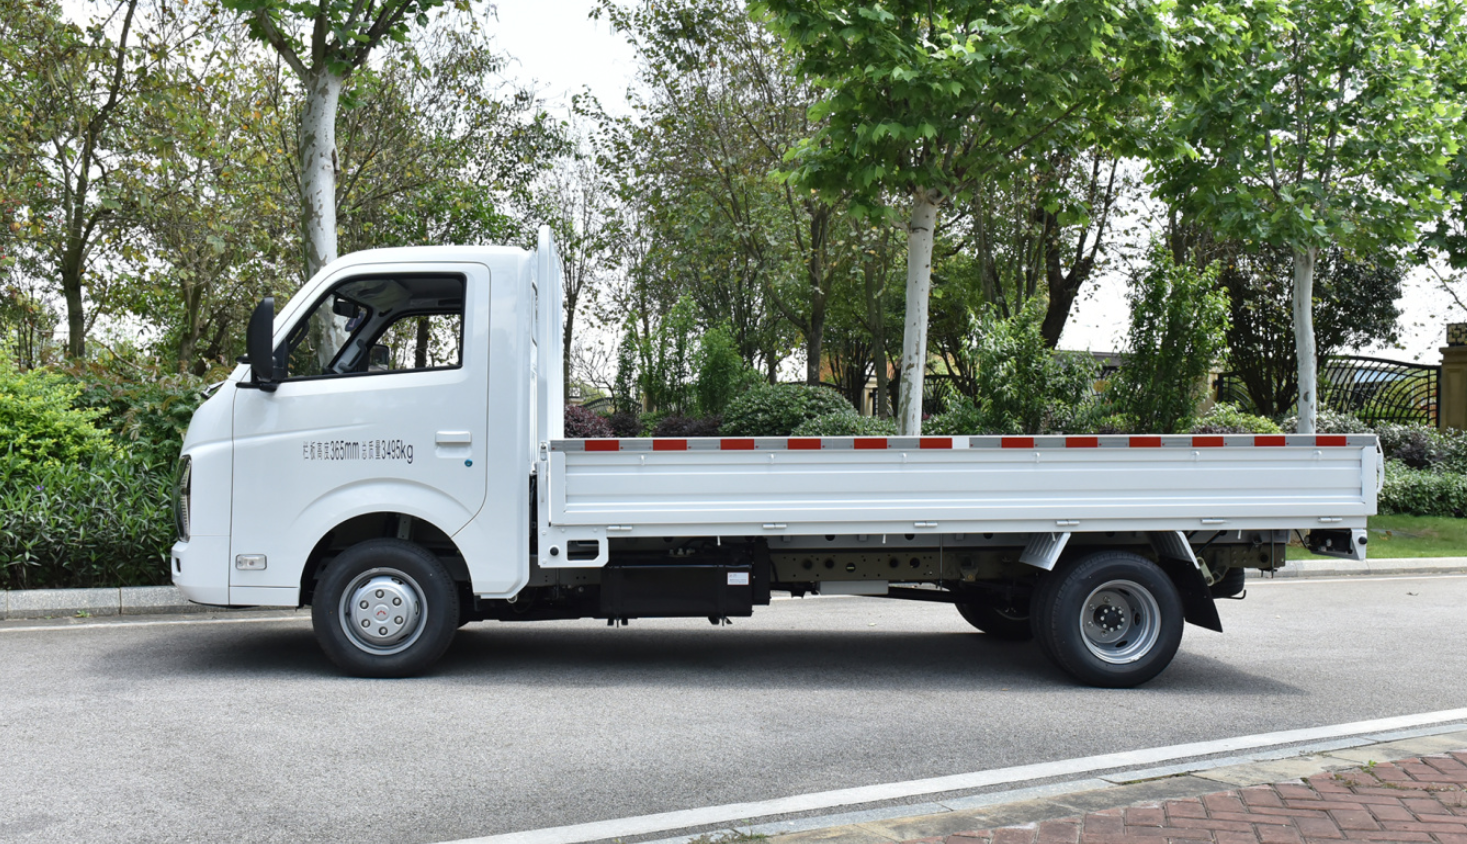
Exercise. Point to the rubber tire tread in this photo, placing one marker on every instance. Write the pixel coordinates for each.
(440, 605)
(1039, 614)
(1059, 597)
(985, 617)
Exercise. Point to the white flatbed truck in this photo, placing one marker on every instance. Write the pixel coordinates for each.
(391, 453)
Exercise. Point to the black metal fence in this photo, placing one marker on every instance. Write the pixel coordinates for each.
(1373, 389)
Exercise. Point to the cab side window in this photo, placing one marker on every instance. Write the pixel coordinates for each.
(377, 324)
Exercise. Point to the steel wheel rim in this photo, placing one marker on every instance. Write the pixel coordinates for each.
(1120, 621)
(382, 611)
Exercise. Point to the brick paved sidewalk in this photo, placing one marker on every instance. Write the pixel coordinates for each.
(1409, 800)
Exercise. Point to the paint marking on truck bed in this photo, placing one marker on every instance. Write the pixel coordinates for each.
(1048, 442)
(745, 813)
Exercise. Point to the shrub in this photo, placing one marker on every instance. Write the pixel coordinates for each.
(1330, 422)
(687, 426)
(667, 360)
(1454, 454)
(624, 389)
(775, 410)
(1418, 446)
(41, 425)
(583, 424)
(1022, 385)
(962, 418)
(146, 408)
(66, 525)
(722, 373)
(1422, 493)
(625, 424)
(1179, 323)
(1226, 418)
(846, 425)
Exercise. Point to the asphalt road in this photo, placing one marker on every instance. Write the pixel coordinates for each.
(214, 730)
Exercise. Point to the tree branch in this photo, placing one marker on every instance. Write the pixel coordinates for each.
(275, 38)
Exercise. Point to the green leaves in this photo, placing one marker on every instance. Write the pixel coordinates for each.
(1179, 323)
(1313, 122)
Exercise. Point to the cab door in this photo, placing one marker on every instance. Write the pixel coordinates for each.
(381, 408)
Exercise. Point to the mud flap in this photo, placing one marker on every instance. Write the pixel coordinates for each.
(1197, 605)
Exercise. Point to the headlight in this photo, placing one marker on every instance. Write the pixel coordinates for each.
(182, 490)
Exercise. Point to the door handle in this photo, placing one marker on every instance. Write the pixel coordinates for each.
(454, 438)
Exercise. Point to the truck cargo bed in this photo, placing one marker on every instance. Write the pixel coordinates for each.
(802, 486)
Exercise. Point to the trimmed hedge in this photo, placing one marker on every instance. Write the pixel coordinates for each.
(1416, 492)
(846, 425)
(1228, 419)
(776, 410)
(687, 426)
(69, 526)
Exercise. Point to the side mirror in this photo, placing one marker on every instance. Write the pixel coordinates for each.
(259, 341)
(379, 359)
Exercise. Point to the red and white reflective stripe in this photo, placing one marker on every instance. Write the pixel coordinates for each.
(1057, 441)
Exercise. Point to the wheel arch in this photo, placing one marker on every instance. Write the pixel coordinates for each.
(377, 525)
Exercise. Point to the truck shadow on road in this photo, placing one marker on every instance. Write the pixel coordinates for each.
(498, 655)
(879, 661)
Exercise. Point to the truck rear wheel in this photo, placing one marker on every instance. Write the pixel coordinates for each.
(1112, 619)
(385, 608)
(1000, 618)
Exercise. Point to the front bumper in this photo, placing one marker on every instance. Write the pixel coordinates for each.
(200, 569)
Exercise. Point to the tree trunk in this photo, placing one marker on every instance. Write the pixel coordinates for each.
(420, 349)
(76, 323)
(815, 272)
(318, 169)
(1304, 260)
(919, 285)
(1063, 288)
(876, 323)
(565, 346)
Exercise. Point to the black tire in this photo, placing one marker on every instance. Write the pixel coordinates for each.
(999, 618)
(1233, 582)
(385, 608)
(1112, 619)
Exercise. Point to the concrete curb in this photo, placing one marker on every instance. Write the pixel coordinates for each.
(167, 600)
(1032, 805)
(125, 600)
(1346, 568)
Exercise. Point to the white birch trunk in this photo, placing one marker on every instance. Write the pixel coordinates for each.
(317, 143)
(1304, 260)
(914, 335)
(318, 169)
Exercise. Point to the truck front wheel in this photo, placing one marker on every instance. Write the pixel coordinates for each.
(385, 608)
(1111, 619)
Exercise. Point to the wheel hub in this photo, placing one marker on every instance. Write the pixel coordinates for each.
(1109, 621)
(382, 611)
(1120, 621)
